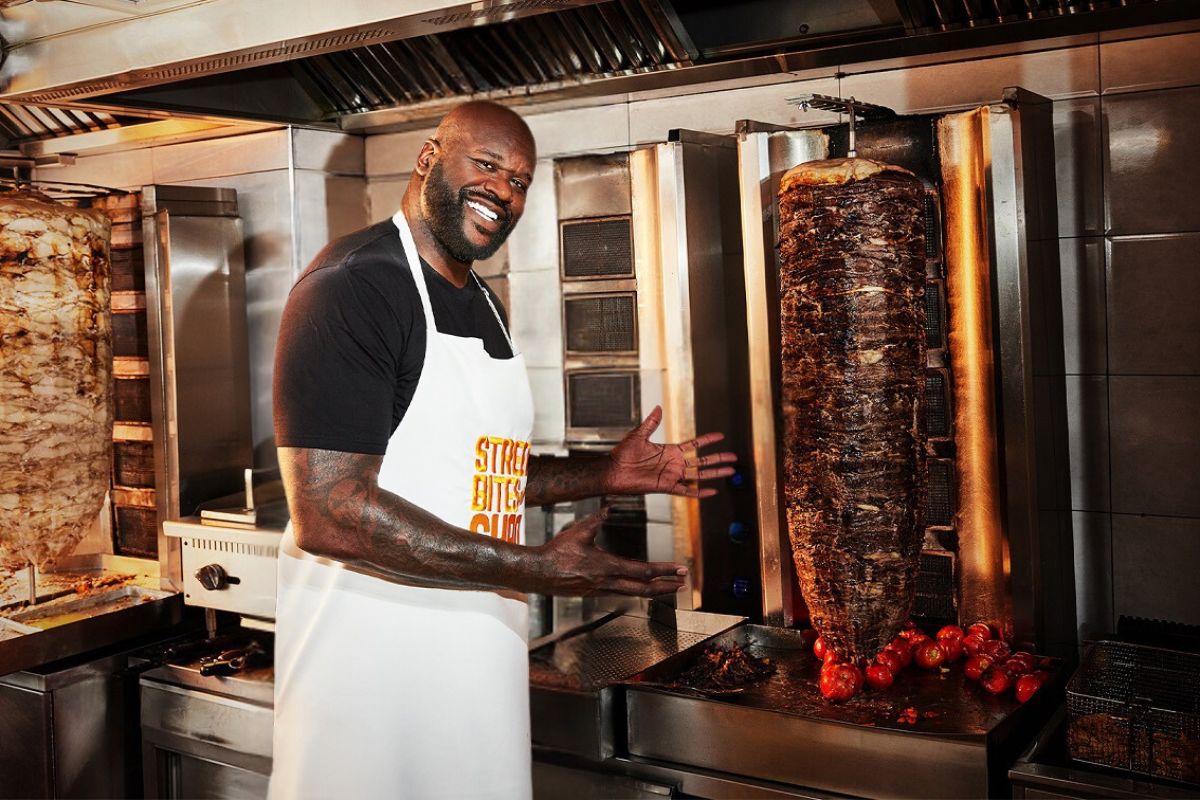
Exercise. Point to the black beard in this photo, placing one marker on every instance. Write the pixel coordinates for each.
(446, 214)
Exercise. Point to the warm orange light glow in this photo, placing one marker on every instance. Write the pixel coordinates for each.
(966, 157)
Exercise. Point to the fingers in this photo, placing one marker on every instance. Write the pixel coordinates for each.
(703, 441)
(687, 490)
(711, 459)
(650, 423)
(588, 528)
(651, 589)
(648, 570)
(708, 474)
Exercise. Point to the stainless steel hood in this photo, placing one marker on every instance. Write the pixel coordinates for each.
(386, 64)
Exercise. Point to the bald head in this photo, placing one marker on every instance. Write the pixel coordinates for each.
(483, 120)
(468, 187)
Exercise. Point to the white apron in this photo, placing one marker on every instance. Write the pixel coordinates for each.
(390, 691)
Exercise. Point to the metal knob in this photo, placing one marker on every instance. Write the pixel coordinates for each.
(212, 577)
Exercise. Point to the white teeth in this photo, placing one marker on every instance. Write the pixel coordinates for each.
(483, 211)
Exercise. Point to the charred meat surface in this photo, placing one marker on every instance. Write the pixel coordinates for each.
(718, 668)
(852, 283)
(55, 376)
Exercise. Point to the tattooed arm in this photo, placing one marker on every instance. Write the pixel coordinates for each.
(339, 511)
(635, 466)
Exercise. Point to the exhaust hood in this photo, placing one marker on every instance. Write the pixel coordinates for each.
(387, 64)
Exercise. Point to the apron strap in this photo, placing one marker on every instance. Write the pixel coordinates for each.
(414, 265)
(503, 328)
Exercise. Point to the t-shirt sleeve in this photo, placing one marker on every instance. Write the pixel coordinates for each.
(339, 351)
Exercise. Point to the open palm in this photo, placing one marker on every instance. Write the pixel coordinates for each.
(640, 466)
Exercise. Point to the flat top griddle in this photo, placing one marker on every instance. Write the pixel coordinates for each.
(947, 704)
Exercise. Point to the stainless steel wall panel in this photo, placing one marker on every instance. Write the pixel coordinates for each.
(1087, 426)
(1160, 62)
(1085, 342)
(719, 112)
(1077, 167)
(1092, 533)
(327, 151)
(1057, 74)
(325, 207)
(383, 198)
(580, 130)
(533, 244)
(1150, 177)
(536, 316)
(1153, 313)
(1154, 567)
(549, 419)
(1155, 447)
(233, 155)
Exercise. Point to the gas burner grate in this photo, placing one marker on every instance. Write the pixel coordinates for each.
(940, 511)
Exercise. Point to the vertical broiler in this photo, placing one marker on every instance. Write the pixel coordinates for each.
(989, 539)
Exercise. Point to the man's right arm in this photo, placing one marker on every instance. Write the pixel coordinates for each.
(340, 512)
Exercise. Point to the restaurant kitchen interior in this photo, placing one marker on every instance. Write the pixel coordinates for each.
(1055, 143)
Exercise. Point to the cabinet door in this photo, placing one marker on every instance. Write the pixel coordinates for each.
(25, 766)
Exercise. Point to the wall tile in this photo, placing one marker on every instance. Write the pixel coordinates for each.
(1056, 74)
(1087, 438)
(1092, 535)
(1149, 179)
(1077, 166)
(1085, 345)
(1153, 63)
(1154, 568)
(719, 112)
(329, 151)
(1153, 313)
(1155, 441)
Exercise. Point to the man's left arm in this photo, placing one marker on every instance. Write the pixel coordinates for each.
(635, 466)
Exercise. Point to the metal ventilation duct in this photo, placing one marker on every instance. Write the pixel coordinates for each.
(359, 66)
(20, 124)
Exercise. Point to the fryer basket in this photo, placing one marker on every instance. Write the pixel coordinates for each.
(1137, 708)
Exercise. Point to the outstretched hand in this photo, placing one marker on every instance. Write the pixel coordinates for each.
(640, 466)
(577, 567)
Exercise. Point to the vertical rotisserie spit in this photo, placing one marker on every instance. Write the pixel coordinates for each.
(55, 376)
(852, 281)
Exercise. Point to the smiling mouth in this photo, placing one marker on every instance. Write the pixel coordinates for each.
(483, 211)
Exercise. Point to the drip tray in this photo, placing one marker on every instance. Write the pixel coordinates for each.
(781, 729)
(574, 677)
(82, 620)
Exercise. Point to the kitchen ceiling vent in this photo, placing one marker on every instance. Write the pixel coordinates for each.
(498, 14)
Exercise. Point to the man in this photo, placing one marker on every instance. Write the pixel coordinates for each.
(403, 415)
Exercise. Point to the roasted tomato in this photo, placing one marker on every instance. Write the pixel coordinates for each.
(950, 632)
(929, 655)
(879, 677)
(903, 651)
(996, 681)
(976, 665)
(953, 648)
(1027, 685)
(840, 682)
(980, 629)
(1029, 660)
(997, 649)
(972, 644)
(819, 648)
(890, 659)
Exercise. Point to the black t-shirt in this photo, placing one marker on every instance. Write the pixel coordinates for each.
(352, 342)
